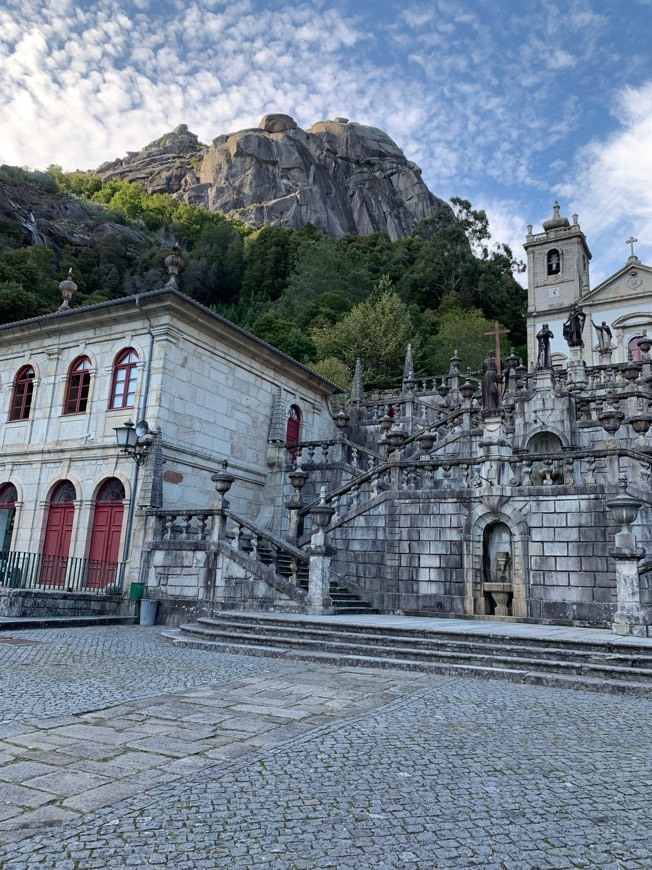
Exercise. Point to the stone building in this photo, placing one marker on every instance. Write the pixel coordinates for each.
(511, 494)
(558, 278)
(203, 391)
(447, 499)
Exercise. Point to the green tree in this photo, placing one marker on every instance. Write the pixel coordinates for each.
(460, 327)
(376, 331)
(322, 267)
(284, 335)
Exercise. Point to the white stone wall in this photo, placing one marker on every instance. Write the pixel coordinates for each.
(211, 393)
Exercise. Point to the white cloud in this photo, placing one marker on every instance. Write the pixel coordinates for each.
(610, 187)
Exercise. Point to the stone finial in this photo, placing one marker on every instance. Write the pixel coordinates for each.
(68, 289)
(408, 368)
(454, 368)
(174, 265)
(357, 392)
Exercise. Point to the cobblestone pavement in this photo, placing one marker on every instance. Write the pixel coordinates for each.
(292, 765)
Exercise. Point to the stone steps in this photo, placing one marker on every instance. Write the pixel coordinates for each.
(599, 667)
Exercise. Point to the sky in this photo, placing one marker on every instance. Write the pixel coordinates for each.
(510, 104)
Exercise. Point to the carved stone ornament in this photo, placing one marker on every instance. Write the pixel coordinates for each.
(634, 281)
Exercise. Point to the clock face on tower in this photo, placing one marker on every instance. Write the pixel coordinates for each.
(553, 292)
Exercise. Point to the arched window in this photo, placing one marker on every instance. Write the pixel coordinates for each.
(79, 382)
(21, 399)
(123, 387)
(293, 429)
(553, 261)
(634, 352)
(8, 499)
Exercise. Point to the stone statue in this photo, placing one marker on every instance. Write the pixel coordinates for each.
(544, 359)
(490, 381)
(573, 327)
(604, 335)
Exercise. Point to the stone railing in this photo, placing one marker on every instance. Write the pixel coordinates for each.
(431, 476)
(310, 453)
(198, 527)
(262, 546)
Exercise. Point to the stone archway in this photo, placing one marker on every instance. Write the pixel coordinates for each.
(486, 534)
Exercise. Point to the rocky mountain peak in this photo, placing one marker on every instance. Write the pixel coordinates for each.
(343, 177)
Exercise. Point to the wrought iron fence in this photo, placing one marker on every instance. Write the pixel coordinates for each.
(63, 573)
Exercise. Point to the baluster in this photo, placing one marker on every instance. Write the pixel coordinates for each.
(446, 472)
(185, 527)
(236, 531)
(273, 558)
(201, 526)
(527, 472)
(590, 469)
(464, 475)
(430, 478)
(410, 479)
(374, 486)
(354, 494)
(311, 453)
(324, 450)
(253, 543)
(645, 473)
(372, 462)
(569, 463)
(294, 571)
(169, 524)
(335, 502)
(354, 457)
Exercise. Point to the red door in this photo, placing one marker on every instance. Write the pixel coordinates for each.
(58, 533)
(104, 551)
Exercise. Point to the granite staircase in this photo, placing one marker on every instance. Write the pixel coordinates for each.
(610, 665)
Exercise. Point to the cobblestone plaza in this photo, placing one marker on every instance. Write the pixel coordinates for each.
(117, 750)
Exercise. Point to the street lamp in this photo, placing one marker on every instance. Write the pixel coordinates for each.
(128, 438)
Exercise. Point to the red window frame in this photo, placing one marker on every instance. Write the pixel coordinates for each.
(79, 382)
(21, 397)
(123, 384)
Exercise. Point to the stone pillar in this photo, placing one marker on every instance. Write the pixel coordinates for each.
(577, 368)
(632, 617)
(318, 599)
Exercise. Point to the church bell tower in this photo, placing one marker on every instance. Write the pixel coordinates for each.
(558, 271)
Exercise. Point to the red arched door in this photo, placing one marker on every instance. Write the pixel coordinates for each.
(58, 533)
(293, 429)
(104, 551)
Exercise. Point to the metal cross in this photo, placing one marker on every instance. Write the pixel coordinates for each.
(630, 241)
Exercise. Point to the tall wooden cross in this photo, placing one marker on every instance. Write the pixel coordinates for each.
(497, 332)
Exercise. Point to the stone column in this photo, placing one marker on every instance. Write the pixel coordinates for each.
(318, 599)
(632, 617)
(577, 367)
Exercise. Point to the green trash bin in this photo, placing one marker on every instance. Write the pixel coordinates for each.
(136, 593)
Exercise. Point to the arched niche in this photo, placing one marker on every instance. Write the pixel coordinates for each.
(546, 472)
(497, 563)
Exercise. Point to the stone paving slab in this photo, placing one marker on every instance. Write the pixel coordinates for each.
(299, 765)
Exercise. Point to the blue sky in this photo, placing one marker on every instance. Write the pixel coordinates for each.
(508, 104)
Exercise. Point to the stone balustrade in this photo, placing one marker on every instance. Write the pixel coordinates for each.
(310, 453)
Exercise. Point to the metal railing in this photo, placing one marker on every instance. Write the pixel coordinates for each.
(62, 573)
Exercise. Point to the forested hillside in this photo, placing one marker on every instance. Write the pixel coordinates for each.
(324, 301)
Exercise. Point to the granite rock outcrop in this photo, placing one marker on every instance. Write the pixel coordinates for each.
(343, 177)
